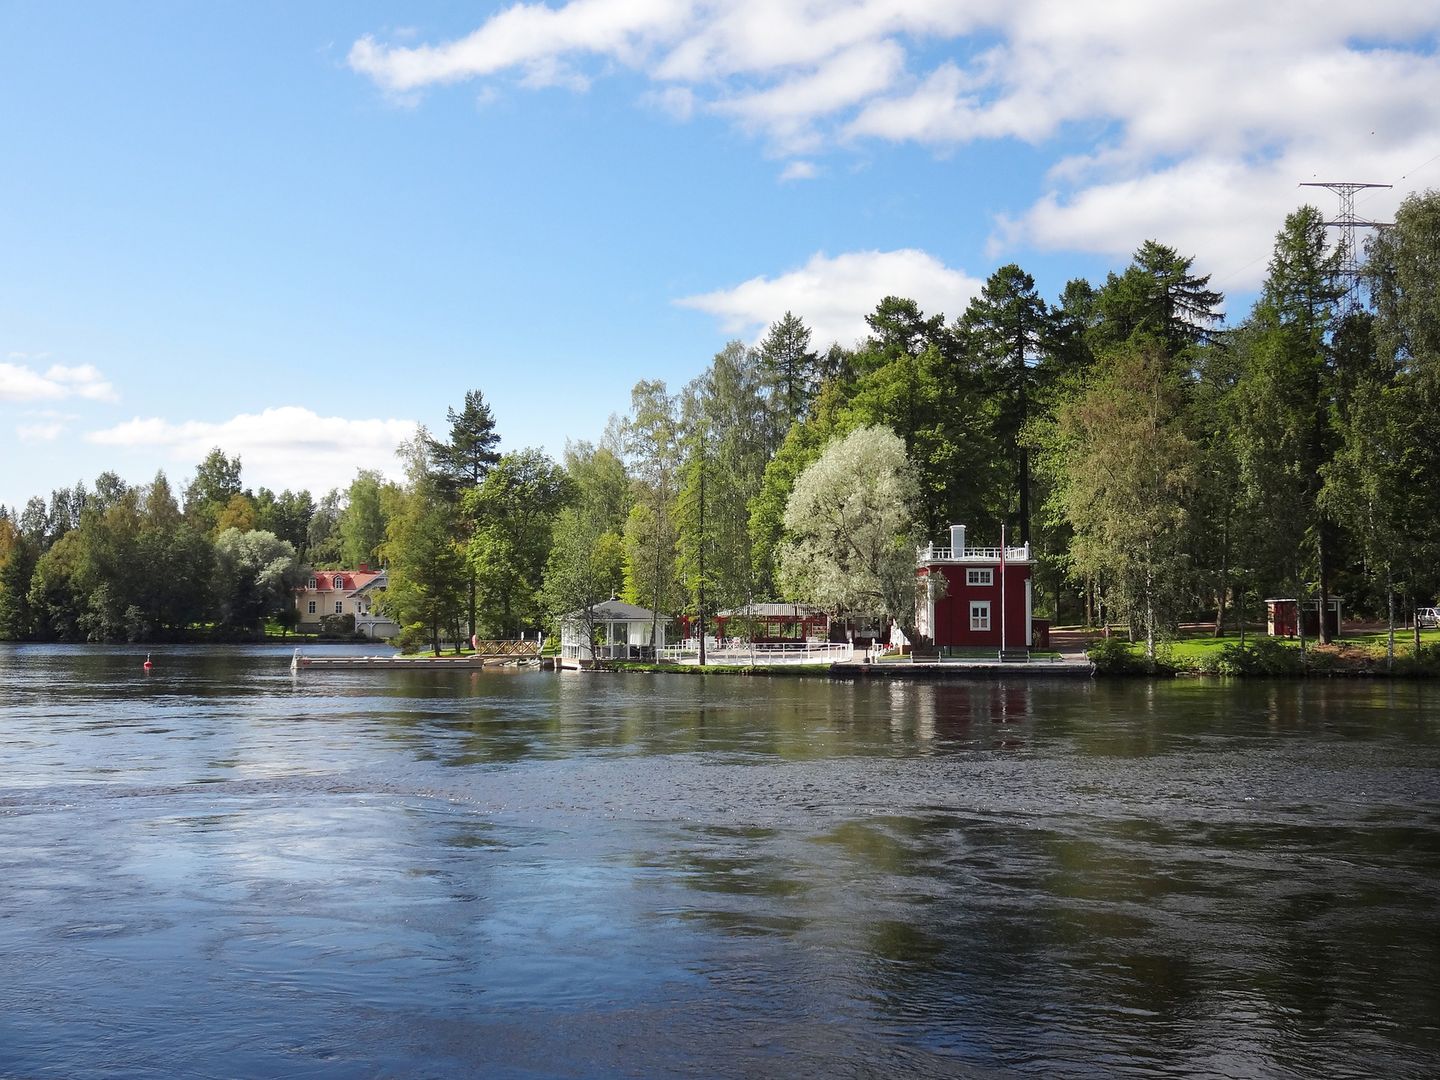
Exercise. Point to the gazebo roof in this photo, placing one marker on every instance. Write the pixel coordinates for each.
(614, 610)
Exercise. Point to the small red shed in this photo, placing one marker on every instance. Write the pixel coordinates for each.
(985, 600)
(1280, 617)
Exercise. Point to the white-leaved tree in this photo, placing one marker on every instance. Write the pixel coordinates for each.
(254, 575)
(851, 525)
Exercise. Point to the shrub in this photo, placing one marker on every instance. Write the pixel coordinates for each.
(413, 638)
(337, 625)
(1259, 656)
(1424, 662)
(1114, 656)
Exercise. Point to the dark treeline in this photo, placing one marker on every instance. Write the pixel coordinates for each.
(1163, 465)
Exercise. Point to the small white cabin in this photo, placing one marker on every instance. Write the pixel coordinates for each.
(622, 632)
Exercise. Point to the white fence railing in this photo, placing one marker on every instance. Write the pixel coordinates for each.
(738, 652)
(572, 651)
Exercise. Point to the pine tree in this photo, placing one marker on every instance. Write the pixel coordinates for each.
(1158, 295)
(460, 465)
(462, 462)
(791, 370)
(1289, 395)
(1004, 329)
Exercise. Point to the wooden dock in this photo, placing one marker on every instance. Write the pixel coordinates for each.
(489, 655)
(967, 669)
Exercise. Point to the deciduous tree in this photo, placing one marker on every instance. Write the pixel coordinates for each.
(427, 579)
(852, 528)
(362, 523)
(1122, 469)
(255, 575)
(216, 479)
(514, 511)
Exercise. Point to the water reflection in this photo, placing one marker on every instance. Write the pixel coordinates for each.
(423, 874)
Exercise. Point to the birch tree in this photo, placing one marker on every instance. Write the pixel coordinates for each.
(1122, 469)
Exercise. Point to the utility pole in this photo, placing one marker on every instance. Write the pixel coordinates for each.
(1351, 270)
(700, 584)
(1347, 221)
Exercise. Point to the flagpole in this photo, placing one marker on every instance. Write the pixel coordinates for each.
(1002, 589)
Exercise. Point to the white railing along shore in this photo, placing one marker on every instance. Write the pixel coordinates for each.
(739, 652)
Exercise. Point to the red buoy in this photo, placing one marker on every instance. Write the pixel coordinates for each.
(148, 665)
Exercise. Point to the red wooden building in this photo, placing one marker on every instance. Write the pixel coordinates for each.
(985, 601)
(773, 623)
(1280, 617)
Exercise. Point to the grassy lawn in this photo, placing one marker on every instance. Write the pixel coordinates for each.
(1198, 649)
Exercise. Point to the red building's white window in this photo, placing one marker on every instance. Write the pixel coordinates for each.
(979, 614)
(312, 607)
(339, 582)
(338, 605)
(980, 577)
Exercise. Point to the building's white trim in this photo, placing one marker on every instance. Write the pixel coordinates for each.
(1029, 614)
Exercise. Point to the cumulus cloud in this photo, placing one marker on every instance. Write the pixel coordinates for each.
(271, 443)
(21, 382)
(1134, 101)
(799, 170)
(833, 295)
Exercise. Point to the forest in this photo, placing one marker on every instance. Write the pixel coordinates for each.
(1165, 466)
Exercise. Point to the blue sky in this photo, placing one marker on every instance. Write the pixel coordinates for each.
(296, 231)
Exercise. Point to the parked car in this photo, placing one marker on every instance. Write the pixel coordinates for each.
(1427, 617)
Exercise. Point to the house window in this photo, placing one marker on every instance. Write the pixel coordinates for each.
(338, 605)
(311, 585)
(979, 614)
(312, 607)
(339, 582)
(980, 577)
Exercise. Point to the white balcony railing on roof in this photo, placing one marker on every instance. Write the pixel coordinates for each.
(933, 553)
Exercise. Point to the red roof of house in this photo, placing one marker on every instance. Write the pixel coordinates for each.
(352, 579)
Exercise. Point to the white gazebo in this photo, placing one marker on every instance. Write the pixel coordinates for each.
(623, 631)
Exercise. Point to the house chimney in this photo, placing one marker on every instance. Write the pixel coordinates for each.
(364, 568)
(957, 541)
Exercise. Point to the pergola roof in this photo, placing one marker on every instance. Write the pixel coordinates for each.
(772, 611)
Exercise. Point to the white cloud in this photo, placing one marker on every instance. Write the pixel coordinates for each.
(676, 102)
(1162, 119)
(20, 382)
(520, 37)
(44, 431)
(833, 295)
(272, 445)
(800, 170)
(787, 110)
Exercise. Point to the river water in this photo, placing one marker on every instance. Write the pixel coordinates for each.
(218, 869)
